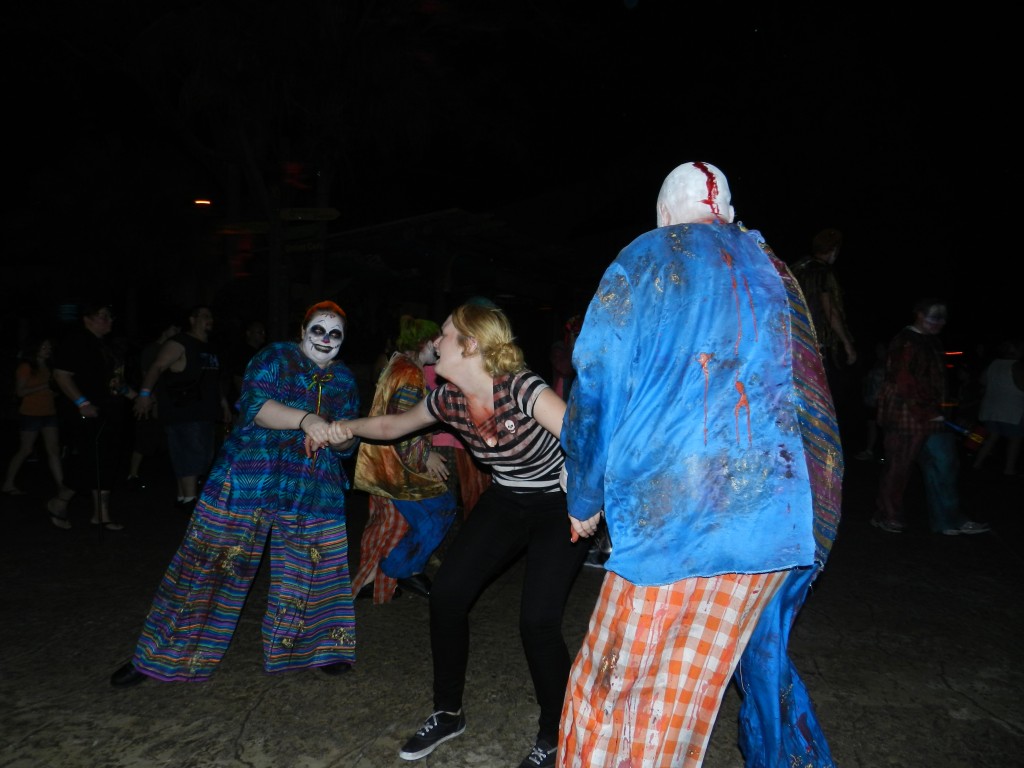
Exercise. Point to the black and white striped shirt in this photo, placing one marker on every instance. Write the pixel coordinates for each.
(527, 458)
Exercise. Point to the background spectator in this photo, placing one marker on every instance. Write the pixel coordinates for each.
(37, 414)
(1002, 405)
(90, 374)
(912, 411)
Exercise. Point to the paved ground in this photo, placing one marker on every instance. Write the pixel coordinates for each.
(909, 645)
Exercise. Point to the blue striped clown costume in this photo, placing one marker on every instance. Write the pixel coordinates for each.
(265, 484)
(701, 424)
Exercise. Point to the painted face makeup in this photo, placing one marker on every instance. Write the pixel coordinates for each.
(934, 319)
(323, 338)
(429, 354)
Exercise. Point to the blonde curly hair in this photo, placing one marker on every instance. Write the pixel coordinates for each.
(494, 340)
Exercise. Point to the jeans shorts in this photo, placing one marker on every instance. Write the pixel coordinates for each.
(190, 445)
(35, 423)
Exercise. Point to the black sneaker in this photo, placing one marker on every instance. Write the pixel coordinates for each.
(418, 584)
(134, 484)
(438, 728)
(541, 756)
(595, 558)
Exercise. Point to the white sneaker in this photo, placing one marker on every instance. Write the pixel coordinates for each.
(970, 527)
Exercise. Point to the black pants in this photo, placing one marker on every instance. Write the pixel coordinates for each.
(94, 458)
(495, 534)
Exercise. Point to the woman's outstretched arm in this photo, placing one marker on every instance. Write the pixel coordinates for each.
(385, 428)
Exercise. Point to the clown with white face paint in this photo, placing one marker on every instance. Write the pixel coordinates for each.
(278, 477)
(322, 338)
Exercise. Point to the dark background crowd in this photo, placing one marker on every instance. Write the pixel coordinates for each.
(403, 157)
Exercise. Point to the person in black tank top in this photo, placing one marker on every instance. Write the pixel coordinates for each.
(187, 383)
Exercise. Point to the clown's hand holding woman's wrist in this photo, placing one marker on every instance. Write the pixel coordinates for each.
(340, 434)
(320, 433)
(317, 432)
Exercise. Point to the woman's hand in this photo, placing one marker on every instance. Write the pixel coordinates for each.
(584, 528)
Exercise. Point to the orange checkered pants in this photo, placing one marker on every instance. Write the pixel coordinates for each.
(646, 686)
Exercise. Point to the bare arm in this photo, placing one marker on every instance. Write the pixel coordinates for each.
(66, 383)
(170, 352)
(835, 320)
(275, 415)
(386, 428)
(549, 410)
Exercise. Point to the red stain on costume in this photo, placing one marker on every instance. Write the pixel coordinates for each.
(742, 404)
(727, 260)
(704, 358)
(712, 199)
(807, 733)
(483, 419)
(750, 301)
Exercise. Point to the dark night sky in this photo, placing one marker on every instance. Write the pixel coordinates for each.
(891, 129)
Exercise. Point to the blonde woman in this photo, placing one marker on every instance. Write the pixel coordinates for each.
(510, 419)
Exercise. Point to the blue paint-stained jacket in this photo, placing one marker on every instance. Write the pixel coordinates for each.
(700, 420)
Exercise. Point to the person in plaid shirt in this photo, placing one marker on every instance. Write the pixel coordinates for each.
(911, 412)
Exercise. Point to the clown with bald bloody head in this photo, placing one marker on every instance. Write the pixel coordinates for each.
(701, 428)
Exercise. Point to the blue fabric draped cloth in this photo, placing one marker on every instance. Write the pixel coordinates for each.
(700, 419)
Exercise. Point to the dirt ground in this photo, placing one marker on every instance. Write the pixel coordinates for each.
(909, 646)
